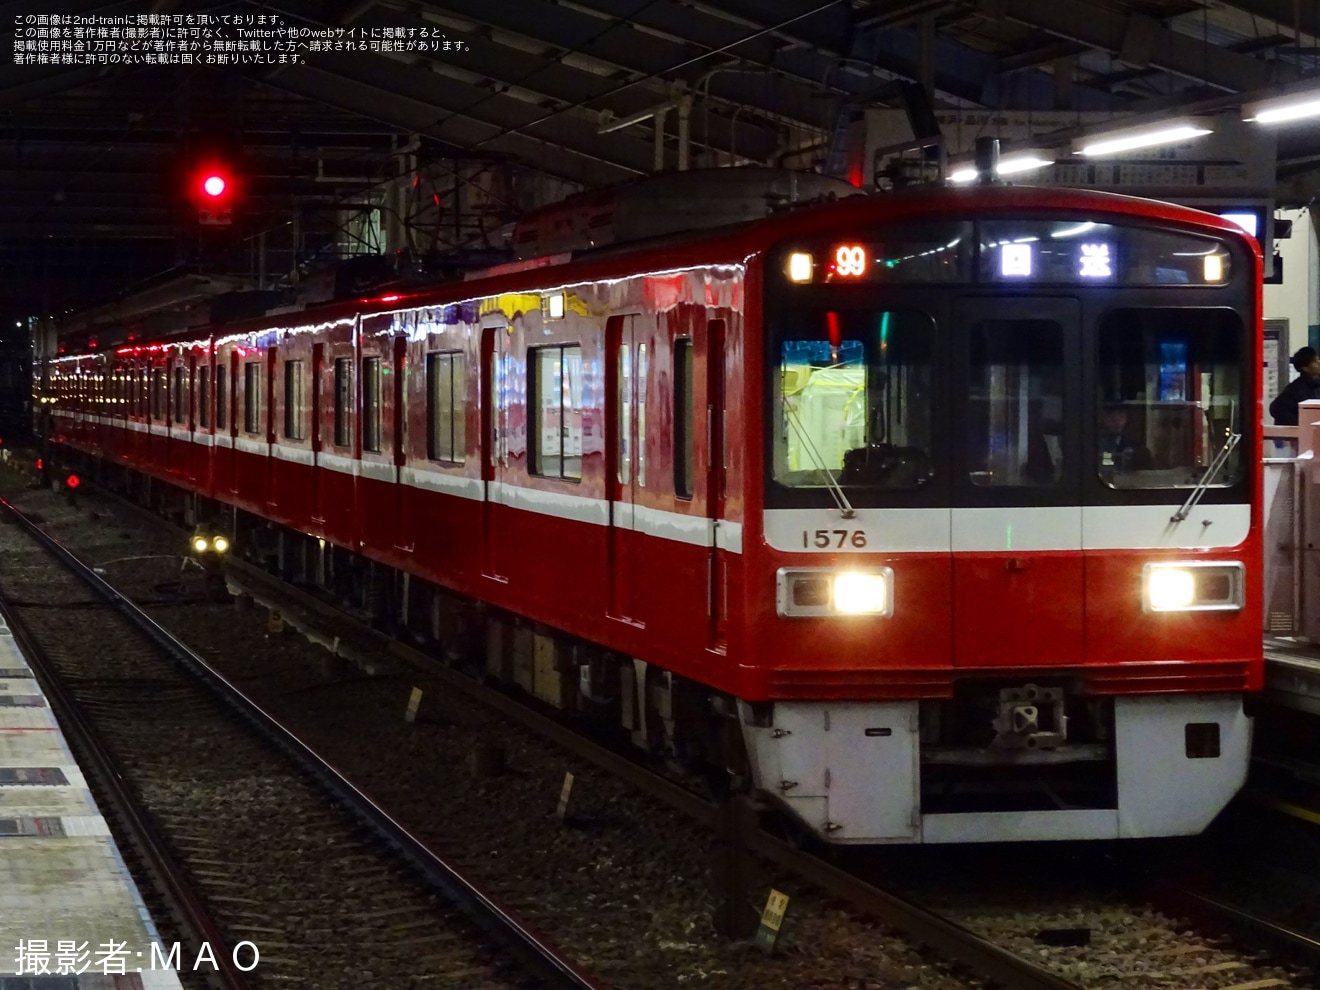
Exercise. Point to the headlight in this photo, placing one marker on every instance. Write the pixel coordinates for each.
(860, 594)
(199, 544)
(1193, 586)
(803, 592)
(1170, 588)
(220, 544)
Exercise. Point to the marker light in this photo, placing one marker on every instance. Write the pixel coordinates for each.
(555, 303)
(1213, 266)
(220, 544)
(822, 592)
(799, 267)
(1169, 589)
(1194, 586)
(199, 544)
(860, 594)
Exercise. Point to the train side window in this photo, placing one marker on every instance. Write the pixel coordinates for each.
(371, 404)
(444, 412)
(204, 398)
(343, 402)
(294, 400)
(158, 394)
(625, 414)
(684, 418)
(180, 395)
(556, 412)
(252, 397)
(221, 376)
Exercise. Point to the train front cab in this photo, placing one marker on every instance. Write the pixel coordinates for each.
(1010, 584)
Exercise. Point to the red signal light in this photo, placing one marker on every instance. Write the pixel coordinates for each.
(38, 463)
(214, 185)
(72, 481)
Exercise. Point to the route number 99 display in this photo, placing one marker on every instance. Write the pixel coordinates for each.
(850, 260)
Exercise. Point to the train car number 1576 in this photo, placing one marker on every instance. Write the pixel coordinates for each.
(834, 539)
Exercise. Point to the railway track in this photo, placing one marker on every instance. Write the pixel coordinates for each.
(332, 892)
(975, 937)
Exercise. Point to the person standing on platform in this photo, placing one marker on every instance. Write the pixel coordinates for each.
(1305, 386)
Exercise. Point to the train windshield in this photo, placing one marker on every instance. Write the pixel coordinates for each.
(855, 396)
(1168, 397)
(859, 394)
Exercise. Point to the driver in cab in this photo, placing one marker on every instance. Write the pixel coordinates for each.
(1119, 453)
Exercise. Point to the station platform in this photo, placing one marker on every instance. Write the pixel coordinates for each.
(71, 917)
(1292, 674)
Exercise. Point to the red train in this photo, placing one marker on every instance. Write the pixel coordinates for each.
(940, 511)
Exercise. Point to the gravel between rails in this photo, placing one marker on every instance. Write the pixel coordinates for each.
(277, 864)
(627, 890)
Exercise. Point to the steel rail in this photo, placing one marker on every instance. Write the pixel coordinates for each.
(1240, 926)
(950, 940)
(536, 951)
(105, 775)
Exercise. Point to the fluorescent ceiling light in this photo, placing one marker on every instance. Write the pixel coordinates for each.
(1022, 162)
(1247, 221)
(1007, 166)
(1283, 110)
(1139, 137)
(1073, 231)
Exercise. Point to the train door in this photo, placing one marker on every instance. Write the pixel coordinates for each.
(404, 538)
(192, 455)
(272, 415)
(626, 460)
(494, 440)
(318, 393)
(715, 478)
(230, 398)
(1017, 518)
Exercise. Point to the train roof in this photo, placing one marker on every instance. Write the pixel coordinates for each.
(736, 244)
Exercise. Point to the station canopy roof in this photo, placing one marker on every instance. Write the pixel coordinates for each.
(442, 148)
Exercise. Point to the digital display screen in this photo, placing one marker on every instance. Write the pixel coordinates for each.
(1066, 252)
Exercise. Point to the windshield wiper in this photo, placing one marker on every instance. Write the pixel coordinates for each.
(836, 490)
(1220, 460)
